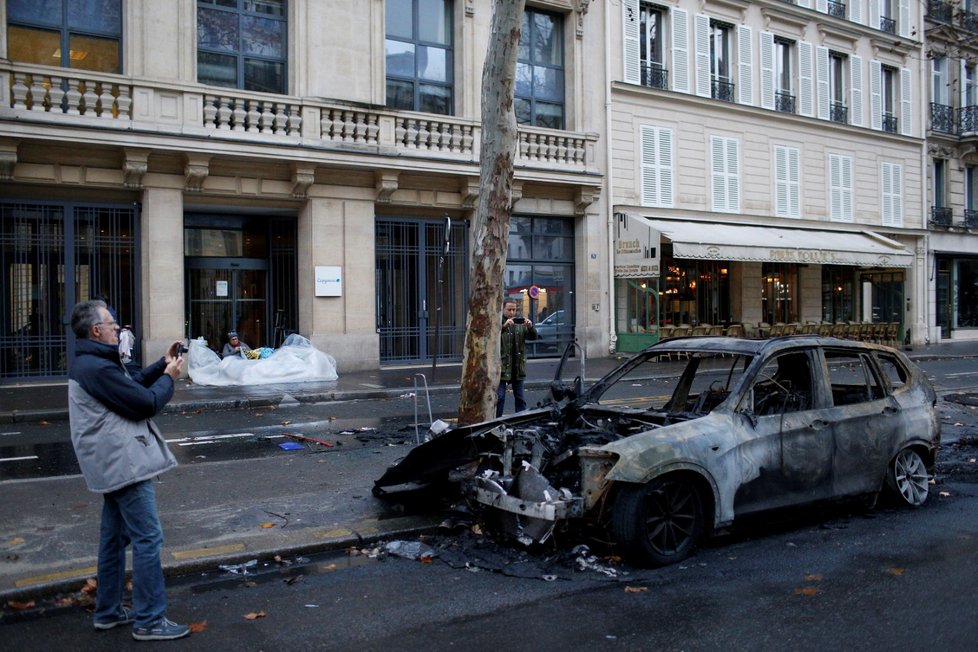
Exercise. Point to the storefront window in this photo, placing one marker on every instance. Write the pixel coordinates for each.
(886, 296)
(838, 293)
(779, 293)
(968, 294)
(637, 304)
(693, 292)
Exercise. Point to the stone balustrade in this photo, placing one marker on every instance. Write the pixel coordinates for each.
(41, 91)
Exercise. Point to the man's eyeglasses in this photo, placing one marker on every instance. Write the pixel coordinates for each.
(109, 323)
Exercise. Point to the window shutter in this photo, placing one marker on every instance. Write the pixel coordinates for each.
(726, 174)
(874, 13)
(822, 81)
(856, 10)
(680, 50)
(845, 184)
(633, 49)
(962, 86)
(665, 168)
(903, 16)
(745, 64)
(822, 6)
(657, 177)
(906, 103)
(807, 4)
(896, 186)
(886, 195)
(702, 37)
(733, 175)
(806, 85)
(767, 70)
(856, 90)
(780, 181)
(876, 95)
(794, 182)
(835, 188)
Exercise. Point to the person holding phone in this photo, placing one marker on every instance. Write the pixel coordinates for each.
(512, 356)
(120, 450)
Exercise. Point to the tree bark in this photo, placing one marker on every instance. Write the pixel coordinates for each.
(480, 371)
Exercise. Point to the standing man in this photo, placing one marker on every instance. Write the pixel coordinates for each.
(512, 356)
(120, 451)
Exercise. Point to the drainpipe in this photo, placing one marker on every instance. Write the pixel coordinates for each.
(609, 202)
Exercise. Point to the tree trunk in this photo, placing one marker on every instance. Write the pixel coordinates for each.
(480, 372)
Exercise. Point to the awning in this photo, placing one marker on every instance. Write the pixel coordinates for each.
(712, 241)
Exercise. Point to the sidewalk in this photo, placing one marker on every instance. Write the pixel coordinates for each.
(232, 512)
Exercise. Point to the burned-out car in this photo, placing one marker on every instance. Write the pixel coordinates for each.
(691, 434)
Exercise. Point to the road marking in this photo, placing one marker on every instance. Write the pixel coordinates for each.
(6, 434)
(207, 552)
(209, 439)
(18, 459)
(54, 577)
(961, 373)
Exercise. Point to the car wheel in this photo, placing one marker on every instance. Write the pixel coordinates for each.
(908, 478)
(658, 523)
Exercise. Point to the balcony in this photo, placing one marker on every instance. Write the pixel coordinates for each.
(839, 112)
(722, 89)
(967, 120)
(837, 9)
(969, 21)
(655, 76)
(942, 118)
(940, 217)
(889, 124)
(784, 102)
(888, 25)
(940, 11)
(113, 103)
(970, 219)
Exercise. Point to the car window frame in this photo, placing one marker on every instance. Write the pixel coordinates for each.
(868, 364)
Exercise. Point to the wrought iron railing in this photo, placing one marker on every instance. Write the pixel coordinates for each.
(940, 216)
(723, 89)
(942, 118)
(940, 11)
(655, 76)
(969, 21)
(970, 219)
(888, 25)
(889, 123)
(838, 112)
(837, 9)
(967, 120)
(784, 102)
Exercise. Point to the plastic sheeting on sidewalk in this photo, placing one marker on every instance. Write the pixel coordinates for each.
(296, 361)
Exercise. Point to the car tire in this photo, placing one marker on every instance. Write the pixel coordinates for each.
(658, 523)
(907, 478)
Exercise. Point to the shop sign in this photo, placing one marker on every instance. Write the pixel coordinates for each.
(329, 281)
(636, 247)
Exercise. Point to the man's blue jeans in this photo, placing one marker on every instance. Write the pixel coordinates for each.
(129, 516)
(517, 396)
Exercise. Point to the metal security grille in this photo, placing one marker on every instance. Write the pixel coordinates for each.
(51, 256)
(420, 289)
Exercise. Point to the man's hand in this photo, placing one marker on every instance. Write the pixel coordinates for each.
(173, 367)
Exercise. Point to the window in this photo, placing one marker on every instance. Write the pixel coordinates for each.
(939, 94)
(893, 370)
(652, 43)
(418, 53)
(940, 181)
(784, 100)
(657, 166)
(779, 293)
(837, 88)
(887, 19)
(787, 184)
(891, 194)
(888, 92)
(784, 384)
(838, 292)
(242, 44)
(970, 188)
(969, 97)
(852, 378)
(540, 71)
(725, 154)
(840, 188)
(80, 34)
(720, 64)
(941, 113)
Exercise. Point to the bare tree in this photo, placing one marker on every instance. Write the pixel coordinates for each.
(480, 372)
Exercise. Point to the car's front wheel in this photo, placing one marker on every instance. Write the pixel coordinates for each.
(908, 478)
(658, 523)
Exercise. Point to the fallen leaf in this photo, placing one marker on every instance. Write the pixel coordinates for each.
(636, 589)
(266, 525)
(90, 585)
(259, 414)
(67, 601)
(16, 541)
(254, 615)
(42, 422)
(813, 578)
(328, 567)
(808, 590)
(944, 494)
(285, 423)
(895, 571)
(197, 628)
(476, 529)
(20, 606)
(295, 579)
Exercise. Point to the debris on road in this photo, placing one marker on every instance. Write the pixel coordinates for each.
(239, 569)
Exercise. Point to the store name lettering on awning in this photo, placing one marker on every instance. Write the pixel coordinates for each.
(804, 255)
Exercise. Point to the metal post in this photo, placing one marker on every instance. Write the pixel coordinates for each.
(438, 284)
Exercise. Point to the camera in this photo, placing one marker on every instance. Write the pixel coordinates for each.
(181, 349)
(519, 320)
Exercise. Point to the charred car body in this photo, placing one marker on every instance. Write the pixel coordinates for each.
(658, 460)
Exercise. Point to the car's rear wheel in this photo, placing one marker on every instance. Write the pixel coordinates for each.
(908, 478)
(658, 523)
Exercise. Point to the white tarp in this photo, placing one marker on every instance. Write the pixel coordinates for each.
(296, 361)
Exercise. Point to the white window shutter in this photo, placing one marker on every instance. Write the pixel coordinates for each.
(767, 70)
(745, 64)
(807, 4)
(886, 194)
(704, 83)
(896, 181)
(822, 6)
(903, 16)
(650, 167)
(680, 50)
(780, 181)
(874, 13)
(665, 149)
(835, 188)
(822, 81)
(856, 90)
(733, 175)
(633, 48)
(806, 81)
(906, 103)
(718, 176)
(856, 10)
(962, 75)
(876, 95)
(845, 183)
(794, 182)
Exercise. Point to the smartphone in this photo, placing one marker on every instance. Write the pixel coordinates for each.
(181, 349)
(519, 320)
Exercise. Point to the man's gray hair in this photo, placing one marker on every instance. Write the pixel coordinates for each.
(85, 315)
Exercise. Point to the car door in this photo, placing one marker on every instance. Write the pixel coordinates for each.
(788, 441)
(866, 421)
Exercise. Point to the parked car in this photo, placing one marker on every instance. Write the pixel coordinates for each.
(657, 462)
(547, 329)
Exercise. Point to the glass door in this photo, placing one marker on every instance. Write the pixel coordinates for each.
(225, 297)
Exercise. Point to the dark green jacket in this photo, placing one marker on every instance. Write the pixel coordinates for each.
(513, 339)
